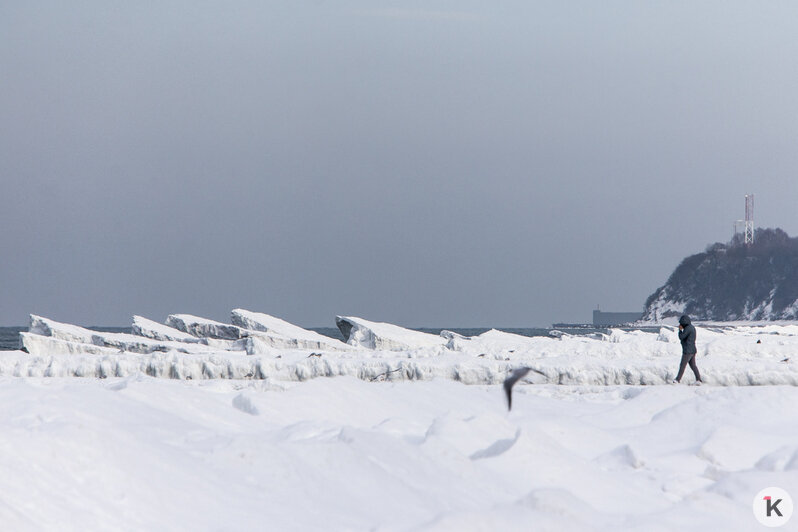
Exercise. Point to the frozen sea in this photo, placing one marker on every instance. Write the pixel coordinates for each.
(412, 436)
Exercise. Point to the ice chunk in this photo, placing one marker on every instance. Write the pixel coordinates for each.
(451, 335)
(375, 335)
(158, 331)
(454, 341)
(267, 343)
(217, 334)
(205, 328)
(120, 341)
(304, 339)
(39, 345)
(495, 341)
(62, 331)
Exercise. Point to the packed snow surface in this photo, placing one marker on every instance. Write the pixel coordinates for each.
(140, 453)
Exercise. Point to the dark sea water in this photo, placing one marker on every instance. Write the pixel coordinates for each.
(9, 336)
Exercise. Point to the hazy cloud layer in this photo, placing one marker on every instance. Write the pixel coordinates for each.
(435, 163)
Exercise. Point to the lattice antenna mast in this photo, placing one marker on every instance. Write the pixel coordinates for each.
(749, 219)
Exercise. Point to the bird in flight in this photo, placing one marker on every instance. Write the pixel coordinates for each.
(516, 375)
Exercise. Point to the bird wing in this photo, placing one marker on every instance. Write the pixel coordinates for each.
(515, 376)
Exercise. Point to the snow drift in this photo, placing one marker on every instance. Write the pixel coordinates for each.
(139, 453)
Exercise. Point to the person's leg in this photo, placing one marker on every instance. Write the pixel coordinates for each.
(694, 367)
(682, 366)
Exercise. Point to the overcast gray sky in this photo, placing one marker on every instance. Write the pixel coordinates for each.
(432, 163)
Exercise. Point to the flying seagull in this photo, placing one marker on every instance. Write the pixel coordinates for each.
(516, 375)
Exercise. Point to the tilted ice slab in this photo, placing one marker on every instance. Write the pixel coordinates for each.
(118, 341)
(217, 334)
(303, 338)
(158, 331)
(205, 328)
(62, 331)
(38, 345)
(375, 335)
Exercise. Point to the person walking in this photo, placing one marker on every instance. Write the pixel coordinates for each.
(687, 337)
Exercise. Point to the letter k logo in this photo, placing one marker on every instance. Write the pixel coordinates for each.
(772, 506)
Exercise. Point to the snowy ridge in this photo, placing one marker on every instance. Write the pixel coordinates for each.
(727, 355)
(301, 368)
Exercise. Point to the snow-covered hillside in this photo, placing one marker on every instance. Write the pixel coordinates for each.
(733, 281)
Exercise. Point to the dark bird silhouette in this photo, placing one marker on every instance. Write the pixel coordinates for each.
(516, 375)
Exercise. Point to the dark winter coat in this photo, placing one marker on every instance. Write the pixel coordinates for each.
(687, 336)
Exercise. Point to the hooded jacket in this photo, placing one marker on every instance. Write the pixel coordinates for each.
(687, 336)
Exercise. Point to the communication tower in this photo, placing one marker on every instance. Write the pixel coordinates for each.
(747, 225)
(749, 218)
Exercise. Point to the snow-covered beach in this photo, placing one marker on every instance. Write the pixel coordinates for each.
(140, 453)
(728, 355)
(260, 426)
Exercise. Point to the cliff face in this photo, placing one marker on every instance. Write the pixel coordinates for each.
(733, 282)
